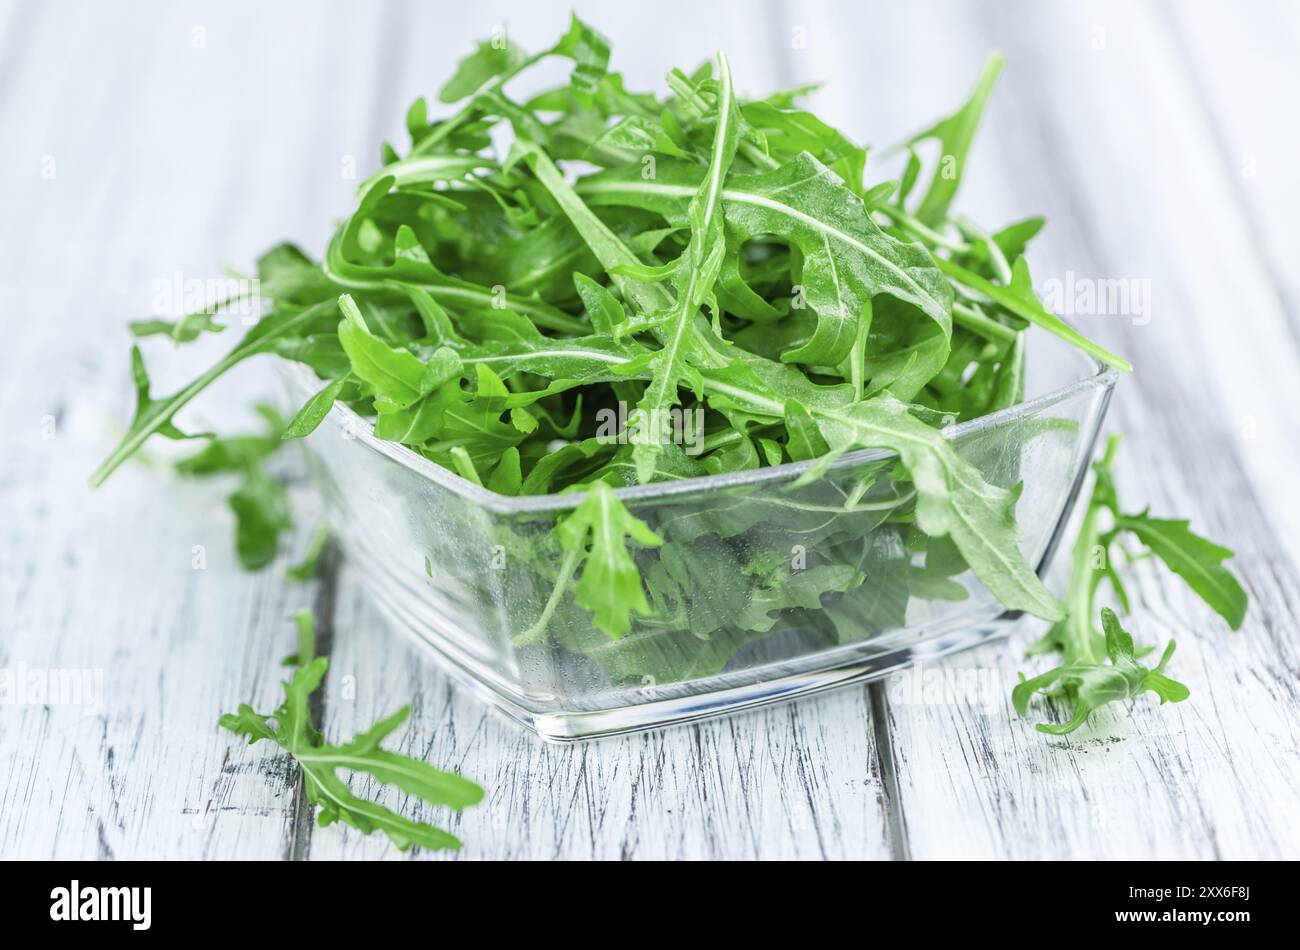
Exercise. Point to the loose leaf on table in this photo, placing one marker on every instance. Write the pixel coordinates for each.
(1195, 559)
(1088, 686)
(305, 569)
(260, 503)
(1101, 667)
(291, 728)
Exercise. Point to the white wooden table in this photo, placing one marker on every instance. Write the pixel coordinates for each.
(150, 138)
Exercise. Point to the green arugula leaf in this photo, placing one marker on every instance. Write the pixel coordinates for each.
(261, 502)
(185, 330)
(290, 727)
(694, 275)
(1195, 559)
(395, 374)
(155, 415)
(1021, 301)
(492, 58)
(589, 51)
(954, 134)
(262, 514)
(953, 501)
(305, 570)
(595, 535)
(847, 258)
(1091, 685)
(1085, 677)
(314, 411)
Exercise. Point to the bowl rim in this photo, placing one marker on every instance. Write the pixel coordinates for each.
(1103, 377)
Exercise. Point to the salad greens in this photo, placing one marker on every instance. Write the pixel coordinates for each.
(1090, 684)
(1085, 679)
(261, 502)
(290, 727)
(716, 273)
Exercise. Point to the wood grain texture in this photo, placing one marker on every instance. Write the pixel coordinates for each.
(187, 135)
(114, 180)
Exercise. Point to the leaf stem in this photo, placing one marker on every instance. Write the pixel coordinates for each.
(858, 356)
(1033, 311)
(537, 632)
(996, 257)
(970, 318)
(908, 223)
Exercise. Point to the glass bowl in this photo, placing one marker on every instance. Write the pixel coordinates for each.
(468, 572)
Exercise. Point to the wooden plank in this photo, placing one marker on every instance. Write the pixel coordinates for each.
(134, 592)
(1105, 141)
(1238, 70)
(1254, 71)
(148, 139)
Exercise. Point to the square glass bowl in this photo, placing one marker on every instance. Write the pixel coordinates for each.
(469, 572)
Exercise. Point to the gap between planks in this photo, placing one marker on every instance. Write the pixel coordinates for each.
(303, 821)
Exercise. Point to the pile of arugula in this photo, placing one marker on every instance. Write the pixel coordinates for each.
(699, 255)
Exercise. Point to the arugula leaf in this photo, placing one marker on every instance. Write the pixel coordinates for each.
(491, 58)
(261, 507)
(155, 415)
(185, 330)
(395, 374)
(305, 569)
(1085, 677)
(847, 258)
(610, 586)
(1091, 685)
(694, 275)
(261, 502)
(612, 253)
(589, 51)
(290, 727)
(954, 134)
(954, 500)
(1020, 300)
(314, 411)
(1195, 559)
